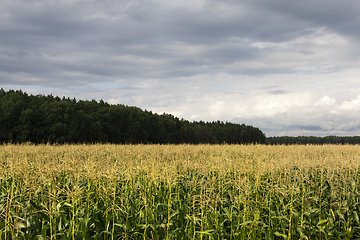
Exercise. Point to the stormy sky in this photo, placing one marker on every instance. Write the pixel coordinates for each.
(287, 67)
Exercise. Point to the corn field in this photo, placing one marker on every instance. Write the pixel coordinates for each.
(179, 192)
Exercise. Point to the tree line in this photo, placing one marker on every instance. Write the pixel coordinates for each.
(51, 119)
(312, 140)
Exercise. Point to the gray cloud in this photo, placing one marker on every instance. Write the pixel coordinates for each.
(341, 17)
(309, 128)
(278, 91)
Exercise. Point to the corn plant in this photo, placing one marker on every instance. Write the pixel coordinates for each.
(179, 192)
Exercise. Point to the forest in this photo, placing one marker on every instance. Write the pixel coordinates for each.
(51, 119)
(287, 140)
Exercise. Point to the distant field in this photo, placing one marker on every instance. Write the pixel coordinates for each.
(179, 192)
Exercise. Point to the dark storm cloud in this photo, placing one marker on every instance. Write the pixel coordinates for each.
(88, 36)
(339, 16)
(62, 29)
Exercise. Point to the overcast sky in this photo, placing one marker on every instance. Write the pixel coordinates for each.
(287, 67)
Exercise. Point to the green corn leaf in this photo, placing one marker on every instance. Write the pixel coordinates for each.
(356, 216)
(2, 225)
(38, 237)
(245, 223)
(67, 204)
(302, 235)
(35, 205)
(280, 235)
(207, 232)
(322, 222)
(122, 226)
(106, 232)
